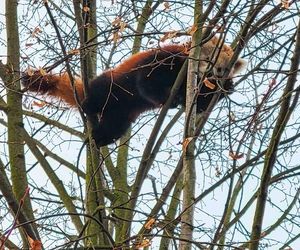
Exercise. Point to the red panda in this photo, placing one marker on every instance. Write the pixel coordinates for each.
(140, 83)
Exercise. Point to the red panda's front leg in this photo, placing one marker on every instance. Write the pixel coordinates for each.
(109, 129)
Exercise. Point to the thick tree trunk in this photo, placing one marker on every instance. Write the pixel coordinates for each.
(189, 172)
(14, 111)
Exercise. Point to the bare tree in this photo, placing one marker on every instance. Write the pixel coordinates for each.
(225, 179)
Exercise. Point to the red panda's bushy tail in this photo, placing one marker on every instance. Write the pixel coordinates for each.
(58, 86)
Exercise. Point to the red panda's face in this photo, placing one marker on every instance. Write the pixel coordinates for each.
(216, 59)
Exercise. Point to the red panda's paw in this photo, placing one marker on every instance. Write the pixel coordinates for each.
(110, 129)
(228, 86)
(102, 136)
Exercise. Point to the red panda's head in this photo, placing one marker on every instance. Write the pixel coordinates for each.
(217, 58)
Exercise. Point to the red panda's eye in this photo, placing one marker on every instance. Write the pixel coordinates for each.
(219, 69)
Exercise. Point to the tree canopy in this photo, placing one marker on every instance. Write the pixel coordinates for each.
(225, 179)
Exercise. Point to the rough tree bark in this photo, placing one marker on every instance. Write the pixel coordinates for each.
(14, 111)
(189, 172)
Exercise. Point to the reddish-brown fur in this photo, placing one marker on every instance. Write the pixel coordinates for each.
(140, 83)
(54, 85)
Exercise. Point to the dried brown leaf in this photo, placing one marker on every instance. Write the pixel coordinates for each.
(116, 37)
(169, 35)
(235, 156)
(122, 26)
(74, 52)
(34, 244)
(43, 72)
(186, 142)
(145, 243)
(86, 9)
(149, 223)
(209, 84)
(29, 72)
(192, 30)
(29, 44)
(38, 104)
(116, 21)
(285, 4)
(232, 117)
(167, 6)
(36, 31)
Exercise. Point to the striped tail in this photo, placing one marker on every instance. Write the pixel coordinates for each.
(58, 86)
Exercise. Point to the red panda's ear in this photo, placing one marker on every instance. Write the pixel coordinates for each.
(239, 66)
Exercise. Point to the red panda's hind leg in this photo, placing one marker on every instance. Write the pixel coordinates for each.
(98, 95)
